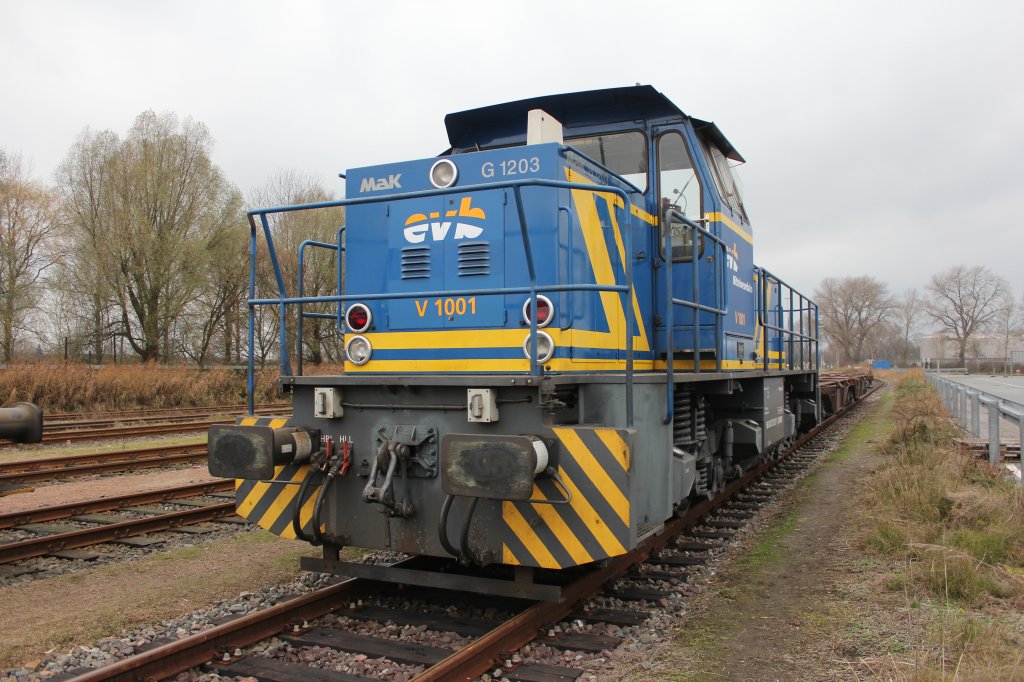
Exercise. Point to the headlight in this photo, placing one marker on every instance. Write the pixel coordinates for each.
(443, 174)
(358, 350)
(545, 347)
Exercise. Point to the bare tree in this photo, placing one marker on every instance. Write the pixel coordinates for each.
(225, 284)
(907, 313)
(27, 218)
(147, 209)
(851, 309)
(964, 301)
(85, 192)
(320, 270)
(1007, 325)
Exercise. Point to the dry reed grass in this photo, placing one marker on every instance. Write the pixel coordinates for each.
(76, 387)
(954, 528)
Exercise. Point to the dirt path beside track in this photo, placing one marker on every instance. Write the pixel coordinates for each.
(792, 606)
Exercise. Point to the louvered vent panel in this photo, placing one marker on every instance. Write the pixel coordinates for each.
(416, 262)
(474, 259)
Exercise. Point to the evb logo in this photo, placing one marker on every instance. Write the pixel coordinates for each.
(419, 225)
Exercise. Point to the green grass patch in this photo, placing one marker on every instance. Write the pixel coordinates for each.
(994, 545)
(769, 548)
(888, 538)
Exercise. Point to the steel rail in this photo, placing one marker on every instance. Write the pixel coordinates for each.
(478, 657)
(126, 421)
(129, 460)
(104, 468)
(64, 427)
(47, 544)
(100, 414)
(63, 511)
(145, 430)
(472, 660)
(174, 657)
(87, 457)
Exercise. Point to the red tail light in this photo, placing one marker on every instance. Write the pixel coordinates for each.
(545, 311)
(358, 317)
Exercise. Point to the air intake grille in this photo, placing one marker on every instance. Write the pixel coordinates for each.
(474, 259)
(416, 262)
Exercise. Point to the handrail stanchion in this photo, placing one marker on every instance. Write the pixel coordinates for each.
(301, 292)
(534, 365)
(250, 379)
(286, 365)
(694, 313)
(627, 269)
(341, 270)
(695, 306)
(666, 230)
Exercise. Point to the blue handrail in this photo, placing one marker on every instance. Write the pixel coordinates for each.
(338, 249)
(516, 185)
(695, 307)
(787, 335)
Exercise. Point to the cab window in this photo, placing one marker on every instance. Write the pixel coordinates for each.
(725, 178)
(680, 190)
(623, 153)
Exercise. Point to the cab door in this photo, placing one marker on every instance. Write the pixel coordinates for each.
(681, 186)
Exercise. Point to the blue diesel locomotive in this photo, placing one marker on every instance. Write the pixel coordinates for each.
(555, 338)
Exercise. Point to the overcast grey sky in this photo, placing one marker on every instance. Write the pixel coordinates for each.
(882, 138)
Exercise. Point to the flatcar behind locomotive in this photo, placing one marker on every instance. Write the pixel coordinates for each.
(555, 338)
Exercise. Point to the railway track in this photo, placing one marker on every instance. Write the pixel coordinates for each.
(131, 431)
(90, 464)
(638, 578)
(62, 421)
(68, 427)
(57, 540)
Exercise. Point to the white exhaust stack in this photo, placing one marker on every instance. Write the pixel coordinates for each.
(542, 127)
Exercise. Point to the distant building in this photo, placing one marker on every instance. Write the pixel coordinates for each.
(990, 347)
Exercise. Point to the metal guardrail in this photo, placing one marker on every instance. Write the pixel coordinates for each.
(965, 404)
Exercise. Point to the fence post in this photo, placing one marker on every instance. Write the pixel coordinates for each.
(1020, 446)
(961, 404)
(975, 414)
(992, 405)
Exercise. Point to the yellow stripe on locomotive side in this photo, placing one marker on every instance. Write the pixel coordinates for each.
(522, 530)
(284, 501)
(597, 475)
(728, 222)
(281, 502)
(600, 261)
(558, 526)
(490, 365)
(575, 533)
(641, 342)
(595, 524)
(613, 441)
(260, 489)
(305, 514)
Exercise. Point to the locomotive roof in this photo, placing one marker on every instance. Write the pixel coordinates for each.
(504, 124)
